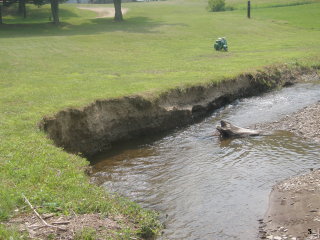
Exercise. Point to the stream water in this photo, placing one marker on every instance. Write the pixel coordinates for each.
(206, 188)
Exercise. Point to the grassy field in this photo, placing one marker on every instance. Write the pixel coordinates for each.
(160, 45)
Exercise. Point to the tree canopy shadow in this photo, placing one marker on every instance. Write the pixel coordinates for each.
(34, 15)
(92, 26)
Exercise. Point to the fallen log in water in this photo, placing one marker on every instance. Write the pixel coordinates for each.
(228, 130)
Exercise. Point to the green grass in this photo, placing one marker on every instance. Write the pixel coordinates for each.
(160, 45)
(236, 4)
(292, 17)
(11, 233)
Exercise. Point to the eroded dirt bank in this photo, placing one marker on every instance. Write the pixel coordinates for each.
(101, 124)
(294, 204)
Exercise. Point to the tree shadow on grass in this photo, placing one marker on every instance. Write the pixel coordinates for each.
(91, 26)
(45, 12)
(33, 16)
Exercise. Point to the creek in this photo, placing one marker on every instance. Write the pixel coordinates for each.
(207, 188)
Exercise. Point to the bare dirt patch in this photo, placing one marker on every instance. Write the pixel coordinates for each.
(103, 12)
(67, 227)
(294, 208)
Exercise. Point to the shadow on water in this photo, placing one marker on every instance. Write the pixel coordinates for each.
(119, 150)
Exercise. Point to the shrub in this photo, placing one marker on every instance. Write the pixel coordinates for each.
(216, 5)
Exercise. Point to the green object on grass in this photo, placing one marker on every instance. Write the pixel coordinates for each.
(221, 44)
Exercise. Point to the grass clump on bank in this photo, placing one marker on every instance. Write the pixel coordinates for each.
(160, 45)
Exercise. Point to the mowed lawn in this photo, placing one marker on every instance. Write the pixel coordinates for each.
(160, 45)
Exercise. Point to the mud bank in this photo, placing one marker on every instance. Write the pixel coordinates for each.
(294, 209)
(294, 206)
(103, 123)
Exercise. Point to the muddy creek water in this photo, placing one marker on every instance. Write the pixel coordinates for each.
(206, 188)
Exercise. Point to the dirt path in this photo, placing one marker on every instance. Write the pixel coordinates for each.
(294, 204)
(103, 12)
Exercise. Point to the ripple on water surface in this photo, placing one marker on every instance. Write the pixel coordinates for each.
(214, 189)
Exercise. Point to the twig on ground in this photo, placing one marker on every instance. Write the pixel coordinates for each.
(61, 223)
(74, 213)
(38, 215)
(46, 216)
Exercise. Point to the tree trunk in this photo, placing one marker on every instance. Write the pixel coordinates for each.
(117, 9)
(0, 14)
(22, 8)
(55, 11)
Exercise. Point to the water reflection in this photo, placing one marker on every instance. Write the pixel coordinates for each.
(213, 189)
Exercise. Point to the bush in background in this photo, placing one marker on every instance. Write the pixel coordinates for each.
(216, 5)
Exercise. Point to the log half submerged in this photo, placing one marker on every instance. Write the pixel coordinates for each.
(227, 130)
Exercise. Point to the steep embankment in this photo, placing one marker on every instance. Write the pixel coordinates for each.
(99, 125)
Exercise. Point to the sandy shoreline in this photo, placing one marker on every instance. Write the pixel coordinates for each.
(294, 204)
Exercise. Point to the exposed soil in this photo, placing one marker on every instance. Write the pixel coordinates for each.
(66, 227)
(100, 125)
(294, 204)
(103, 12)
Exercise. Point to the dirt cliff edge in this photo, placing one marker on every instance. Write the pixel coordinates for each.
(96, 127)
